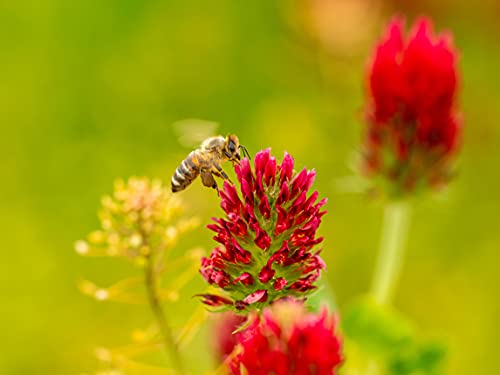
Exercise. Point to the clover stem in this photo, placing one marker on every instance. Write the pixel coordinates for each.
(390, 258)
(391, 252)
(171, 346)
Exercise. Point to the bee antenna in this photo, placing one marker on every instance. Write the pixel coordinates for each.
(245, 152)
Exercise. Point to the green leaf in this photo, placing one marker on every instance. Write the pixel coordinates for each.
(383, 334)
(375, 328)
(419, 358)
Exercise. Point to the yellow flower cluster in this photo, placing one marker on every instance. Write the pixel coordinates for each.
(138, 219)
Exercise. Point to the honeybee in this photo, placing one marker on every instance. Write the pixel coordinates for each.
(205, 161)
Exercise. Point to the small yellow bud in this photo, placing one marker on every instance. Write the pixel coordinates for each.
(135, 240)
(81, 247)
(96, 237)
(106, 224)
(171, 233)
(101, 294)
(87, 287)
(139, 335)
(103, 354)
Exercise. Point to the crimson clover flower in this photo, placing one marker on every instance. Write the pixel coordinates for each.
(225, 335)
(413, 129)
(286, 340)
(267, 236)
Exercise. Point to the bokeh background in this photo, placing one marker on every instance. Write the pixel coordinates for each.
(89, 90)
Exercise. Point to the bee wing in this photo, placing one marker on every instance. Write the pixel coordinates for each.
(192, 132)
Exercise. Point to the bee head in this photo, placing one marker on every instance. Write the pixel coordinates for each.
(232, 148)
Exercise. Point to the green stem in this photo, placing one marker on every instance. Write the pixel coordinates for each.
(155, 304)
(391, 252)
(390, 258)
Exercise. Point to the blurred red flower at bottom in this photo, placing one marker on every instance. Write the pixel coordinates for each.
(287, 340)
(224, 337)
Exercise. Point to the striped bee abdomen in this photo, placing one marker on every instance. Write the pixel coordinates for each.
(185, 173)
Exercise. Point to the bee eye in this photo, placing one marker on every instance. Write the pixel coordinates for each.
(231, 147)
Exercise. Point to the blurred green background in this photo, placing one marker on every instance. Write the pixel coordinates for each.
(89, 90)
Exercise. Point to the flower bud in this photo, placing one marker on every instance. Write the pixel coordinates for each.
(413, 129)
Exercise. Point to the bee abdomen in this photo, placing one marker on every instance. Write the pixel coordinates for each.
(184, 174)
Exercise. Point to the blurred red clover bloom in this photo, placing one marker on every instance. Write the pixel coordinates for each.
(286, 340)
(413, 127)
(266, 237)
(224, 337)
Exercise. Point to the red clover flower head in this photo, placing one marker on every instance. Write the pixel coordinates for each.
(286, 340)
(413, 129)
(267, 236)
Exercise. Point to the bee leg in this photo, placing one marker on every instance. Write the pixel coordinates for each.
(208, 180)
(218, 171)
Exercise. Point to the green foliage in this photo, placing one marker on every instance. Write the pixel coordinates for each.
(386, 335)
(424, 358)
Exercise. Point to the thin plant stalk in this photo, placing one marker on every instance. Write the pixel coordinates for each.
(391, 252)
(169, 342)
(395, 227)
